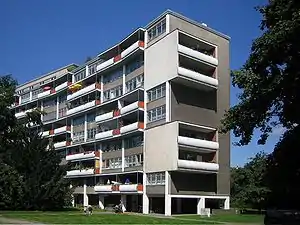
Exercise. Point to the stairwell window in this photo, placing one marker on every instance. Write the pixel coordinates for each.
(156, 114)
(157, 92)
(157, 30)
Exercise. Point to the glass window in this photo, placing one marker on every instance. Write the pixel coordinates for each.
(134, 64)
(116, 74)
(134, 83)
(157, 30)
(157, 113)
(93, 68)
(133, 142)
(79, 76)
(157, 92)
(112, 93)
(156, 178)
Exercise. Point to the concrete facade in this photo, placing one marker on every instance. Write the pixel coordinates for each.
(138, 123)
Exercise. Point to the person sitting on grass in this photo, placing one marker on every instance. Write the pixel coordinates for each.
(88, 210)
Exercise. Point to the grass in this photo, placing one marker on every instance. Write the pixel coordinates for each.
(80, 218)
(231, 218)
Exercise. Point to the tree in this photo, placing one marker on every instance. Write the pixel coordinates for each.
(270, 81)
(30, 174)
(270, 78)
(248, 186)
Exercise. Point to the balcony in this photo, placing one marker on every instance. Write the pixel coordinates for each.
(210, 81)
(104, 117)
(117, 58)
(104, 134)
(131, 107)
(62, 129)
(61, 144)
(45, 133)
(62, 86)
(83, 107)
(80, 172)
(132, 127)
(198, 55)
(83, 155)
(198, 143)
(123, 188)
(84, 90)
(22, 114)
(195, 165)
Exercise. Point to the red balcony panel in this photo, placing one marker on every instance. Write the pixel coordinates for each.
(52, 91)
(69, 83)
(141, 125)
(51, 132)
(116, 113)
(68, 128)
(68, 143)
(98, 86)
(117, 58)
(97, 153)
(115, 188)
(139, 187)
(141, 105)
(116, 132)
(141, 44)
(98, 102)
(97, 170)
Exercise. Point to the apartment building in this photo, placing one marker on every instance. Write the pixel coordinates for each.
(138, 122)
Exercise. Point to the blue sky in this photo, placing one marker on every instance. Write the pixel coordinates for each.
(39, 36)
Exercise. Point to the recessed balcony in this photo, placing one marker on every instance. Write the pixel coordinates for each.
(83, 107)
(132, 107)
(62, 129)
(132, 127)
(195, 165)
(104, 134)
(198, 143)
(198, 55)
(61, 144)
(80, 172)
(62, 86)
(87, 89)
(105, 116)
(83, 156)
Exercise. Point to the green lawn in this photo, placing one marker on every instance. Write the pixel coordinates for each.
(80, 218)
(233, 218)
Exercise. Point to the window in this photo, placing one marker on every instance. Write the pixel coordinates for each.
(78, 137)
(134, 83)
(79, 121)
(36, 92)
(91, 133)
(91, 118)
(49, 103)
(62, 98)
(134, 160)
(113, 163)
(133, 65)
(112, 93)
(62, 112)
(112, 146)
(79, 76)
(133, 142)
(156, 178)
(115, 75)
(93, 68)
(157, 30)
(157, 92)
(25, 97)
(156, 114)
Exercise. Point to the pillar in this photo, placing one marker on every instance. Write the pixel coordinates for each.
(123, 79)
(124, 200)
(167, 195)
(85, 127)
(123, 155)
(227, 203)
(145, 197)
(178, 205)
(85, 196)
(72, 196)
(101, 202)
(200, 205)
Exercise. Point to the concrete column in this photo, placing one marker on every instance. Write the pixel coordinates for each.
(178, 205)
(123, 155)
(168, 102)
(101, 202)
(87, 71)
(200, 205)
(85, 127)
(227, 203)
(30, 95)
(85, 196)
(145, 197)
(167, 195)
(101, 83)
(57, 107)
(124, 200)
(124, 86)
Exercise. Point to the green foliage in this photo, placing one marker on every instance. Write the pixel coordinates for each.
(248, 186)
(71, 68)
(270, 78)
(30, 175)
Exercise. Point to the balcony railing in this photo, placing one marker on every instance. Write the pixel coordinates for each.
(62, 86)
(61, 144)
(198, 76)
(62, 129)
(22, 114)
(130, 49)
(104, 134)
(131, 107)
(80, 172)
(105, 116)
(84, 91)
(198, 143)
(138, 188)
(83, 107)
(195, 165)
(198, 55)
(83, 155)
(132, 127)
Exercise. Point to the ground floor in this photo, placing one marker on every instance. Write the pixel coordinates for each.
(161, 204)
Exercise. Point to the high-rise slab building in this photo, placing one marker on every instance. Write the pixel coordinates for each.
(138, 122)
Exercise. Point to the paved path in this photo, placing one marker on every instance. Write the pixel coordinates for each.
(15, 221)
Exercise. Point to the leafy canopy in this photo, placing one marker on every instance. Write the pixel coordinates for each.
(270, 78)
